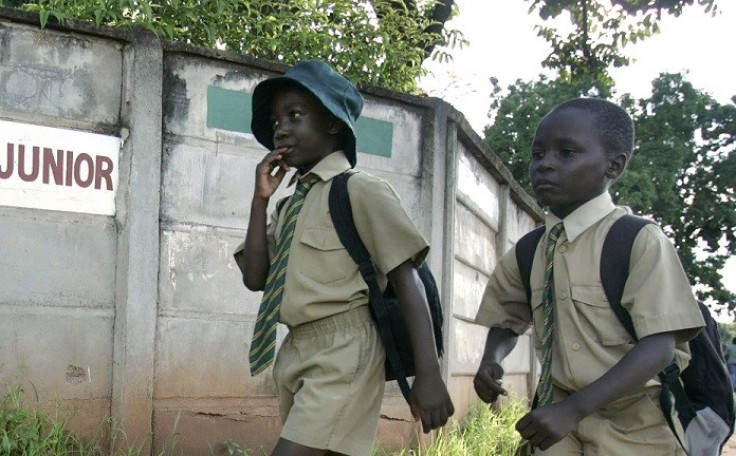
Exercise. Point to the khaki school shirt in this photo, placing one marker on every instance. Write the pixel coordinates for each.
(588, 338)
(321, 278)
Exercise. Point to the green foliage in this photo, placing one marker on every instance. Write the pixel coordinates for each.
(600, 29)
(28, 431)
(378, 42)
(683, 173)
(482, 432)
(234, 449)
(31, 432)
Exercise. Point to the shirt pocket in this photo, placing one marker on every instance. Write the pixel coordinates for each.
(596, 317)
(324, 258)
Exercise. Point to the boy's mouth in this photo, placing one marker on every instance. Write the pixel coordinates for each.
(543, 185)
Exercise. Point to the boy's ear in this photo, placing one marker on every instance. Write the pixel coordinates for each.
(334, 125)
(616, 166)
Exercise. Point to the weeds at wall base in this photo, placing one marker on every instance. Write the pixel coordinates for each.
(26, 431)
(482, 431)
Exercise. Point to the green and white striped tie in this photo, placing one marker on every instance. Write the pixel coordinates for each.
(544, 389)
(263, 345)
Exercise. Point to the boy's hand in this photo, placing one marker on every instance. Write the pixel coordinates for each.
(270, 172)
(430, 402)
(547, 425)
(487, 382)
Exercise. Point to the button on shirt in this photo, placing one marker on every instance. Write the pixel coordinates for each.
(588, 338)
(321, 278)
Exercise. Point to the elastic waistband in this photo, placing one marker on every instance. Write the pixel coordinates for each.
(351, 319)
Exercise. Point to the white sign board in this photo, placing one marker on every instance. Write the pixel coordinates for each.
(57, 169)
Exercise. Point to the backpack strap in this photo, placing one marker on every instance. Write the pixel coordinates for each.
(615, 259)
(342, 217)
(524, 251)
(614, 270)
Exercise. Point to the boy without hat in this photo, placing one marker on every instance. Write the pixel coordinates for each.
(603, 394)
(329, 371)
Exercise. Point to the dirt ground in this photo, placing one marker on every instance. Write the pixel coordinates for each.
(730, 448)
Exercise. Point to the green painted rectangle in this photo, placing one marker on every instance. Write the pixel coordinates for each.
(228, 109)
(374, 136)
(232, 109)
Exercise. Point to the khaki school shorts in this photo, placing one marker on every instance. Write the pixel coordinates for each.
(632, 426)
(330, 380)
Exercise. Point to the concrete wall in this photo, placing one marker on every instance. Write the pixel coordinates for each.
(140, 314)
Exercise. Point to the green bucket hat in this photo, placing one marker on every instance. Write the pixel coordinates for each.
(333, 90)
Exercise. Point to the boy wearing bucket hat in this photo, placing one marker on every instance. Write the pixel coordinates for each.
(329, 371)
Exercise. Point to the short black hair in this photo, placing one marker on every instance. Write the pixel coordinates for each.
(613, 125)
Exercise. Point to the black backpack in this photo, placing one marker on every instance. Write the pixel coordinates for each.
(706, 381)
(384, 305)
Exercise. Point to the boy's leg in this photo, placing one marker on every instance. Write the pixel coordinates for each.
(288, 448)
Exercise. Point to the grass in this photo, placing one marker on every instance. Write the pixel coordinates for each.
(28, 431)
(481, 432)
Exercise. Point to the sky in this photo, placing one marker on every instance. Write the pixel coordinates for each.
(504, 44)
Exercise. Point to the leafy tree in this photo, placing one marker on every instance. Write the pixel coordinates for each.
(599, 31)
(685, 175)
(379, 42)
(683, 172)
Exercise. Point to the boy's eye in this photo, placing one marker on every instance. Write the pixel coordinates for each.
(537, 154)
(567, 152)
(295, 114)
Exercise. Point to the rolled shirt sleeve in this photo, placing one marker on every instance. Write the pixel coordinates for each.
(383, 224)
(504, 303)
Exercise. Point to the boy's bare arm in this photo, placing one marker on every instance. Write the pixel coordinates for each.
(255, 261)
(430, 400)
(547, 425)
(487, 381)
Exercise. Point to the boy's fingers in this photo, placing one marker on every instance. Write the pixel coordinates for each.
(443, 417)
(437, 418)
(489, 389)
(522, 424)
(413, 409)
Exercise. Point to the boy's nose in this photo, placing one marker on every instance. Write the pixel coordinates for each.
(279, 131)
(543, 162)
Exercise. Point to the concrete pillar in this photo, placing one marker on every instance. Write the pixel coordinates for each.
(138, 240)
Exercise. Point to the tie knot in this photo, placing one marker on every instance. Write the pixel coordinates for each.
(556, 230)
(303, 186)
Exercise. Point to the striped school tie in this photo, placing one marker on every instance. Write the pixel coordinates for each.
(263, 345)
(544, 389)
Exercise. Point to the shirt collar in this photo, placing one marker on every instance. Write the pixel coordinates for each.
(327, 168)
(583, 217)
